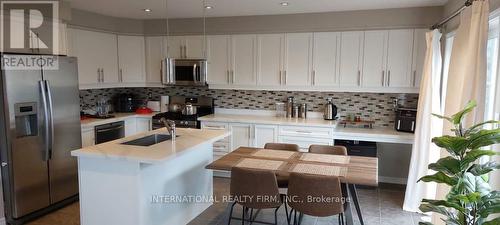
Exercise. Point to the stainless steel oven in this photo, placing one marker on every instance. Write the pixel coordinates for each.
(109, 132)
(189, 72)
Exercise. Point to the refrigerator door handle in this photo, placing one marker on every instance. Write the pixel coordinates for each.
(51, 114)
(46, 120)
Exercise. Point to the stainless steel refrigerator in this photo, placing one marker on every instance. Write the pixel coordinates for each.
(39, 126)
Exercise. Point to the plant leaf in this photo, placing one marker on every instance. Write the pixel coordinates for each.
(484, 138)
(456, 146)
(495, 221)
(447, 165)
(489, 204)
(439, 177)
(457, 117)
(473, 184)
(475, 154)
(444, 203)
(475, 128)
(425, 223)
(442, 117)
(480, 169)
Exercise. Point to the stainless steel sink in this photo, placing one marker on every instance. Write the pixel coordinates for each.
(149, 140)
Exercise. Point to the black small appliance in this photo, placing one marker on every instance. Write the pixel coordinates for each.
(405, 120)
(126, 103)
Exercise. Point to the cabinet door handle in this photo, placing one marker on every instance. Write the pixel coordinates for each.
(304, 131)
(228, 80)
(414, 77)
(232, 76)
(281, 77)
(121, 75)
(286, 78)
(98, 75)
(383, 76)
(102, 72)
(185, 52)
(389, 78)
(182, 51)
(314, 77)
(359, 77)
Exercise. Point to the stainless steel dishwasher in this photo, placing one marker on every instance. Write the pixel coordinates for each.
(110, 131)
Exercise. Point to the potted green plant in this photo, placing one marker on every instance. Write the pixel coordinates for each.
(470, 200)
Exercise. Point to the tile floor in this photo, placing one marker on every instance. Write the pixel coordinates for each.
(381, 206)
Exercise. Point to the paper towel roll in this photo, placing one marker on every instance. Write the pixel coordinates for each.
(164, 101)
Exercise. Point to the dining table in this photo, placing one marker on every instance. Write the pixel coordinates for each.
(352, 170)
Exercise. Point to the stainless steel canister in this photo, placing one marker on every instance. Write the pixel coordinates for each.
(295, 111)
(303, 110)
(289, 107)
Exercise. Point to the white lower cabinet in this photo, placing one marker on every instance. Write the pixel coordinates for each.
(130, 127)
(264, 134)
(143, 125)
(257, 135)
(241, 135)
(88, 137)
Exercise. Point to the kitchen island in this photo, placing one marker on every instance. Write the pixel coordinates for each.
(163, 183)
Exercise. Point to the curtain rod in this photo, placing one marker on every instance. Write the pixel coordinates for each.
(456, 13)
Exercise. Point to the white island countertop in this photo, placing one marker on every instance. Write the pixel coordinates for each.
(187, 140)
(375, 134)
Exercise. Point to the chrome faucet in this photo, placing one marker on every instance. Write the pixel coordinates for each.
(170, 125)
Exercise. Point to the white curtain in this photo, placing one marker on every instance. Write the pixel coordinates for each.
(467, 74)
(424, 152)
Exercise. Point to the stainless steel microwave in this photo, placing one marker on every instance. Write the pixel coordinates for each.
(188, 72)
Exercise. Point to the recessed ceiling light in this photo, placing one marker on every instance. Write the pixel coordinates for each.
(284, 4)
(209, 7)
(147, 10)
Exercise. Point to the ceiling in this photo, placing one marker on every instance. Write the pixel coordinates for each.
(193, 8)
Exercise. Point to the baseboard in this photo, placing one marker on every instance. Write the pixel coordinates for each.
(392, 180)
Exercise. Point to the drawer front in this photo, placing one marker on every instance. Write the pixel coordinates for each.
(314, 132)
(304, 142)
(214, 126)
(222, 147)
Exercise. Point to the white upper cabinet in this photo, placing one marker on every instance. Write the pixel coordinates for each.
(243, 59)
(175, 47)
(186, 47)
(374, 58)
(97, 55)
(298, 59)
(155, 54)
(351, 46)
(132, 59)
(218, 59)
(325, 58)
(399, 58)
(419, 49)
(269, 60)
(194, 47)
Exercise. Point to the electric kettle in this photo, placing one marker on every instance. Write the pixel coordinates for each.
(330, 112)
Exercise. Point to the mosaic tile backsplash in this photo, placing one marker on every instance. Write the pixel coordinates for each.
(369, 106)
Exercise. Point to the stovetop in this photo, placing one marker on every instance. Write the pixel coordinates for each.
(175, 116)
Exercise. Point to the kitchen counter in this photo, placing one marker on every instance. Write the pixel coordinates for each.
(150, 179)
(187, 140)
(376, 134)
(230, 118)
(92, 122)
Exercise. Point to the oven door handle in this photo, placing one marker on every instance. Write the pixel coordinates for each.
(109, 129)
